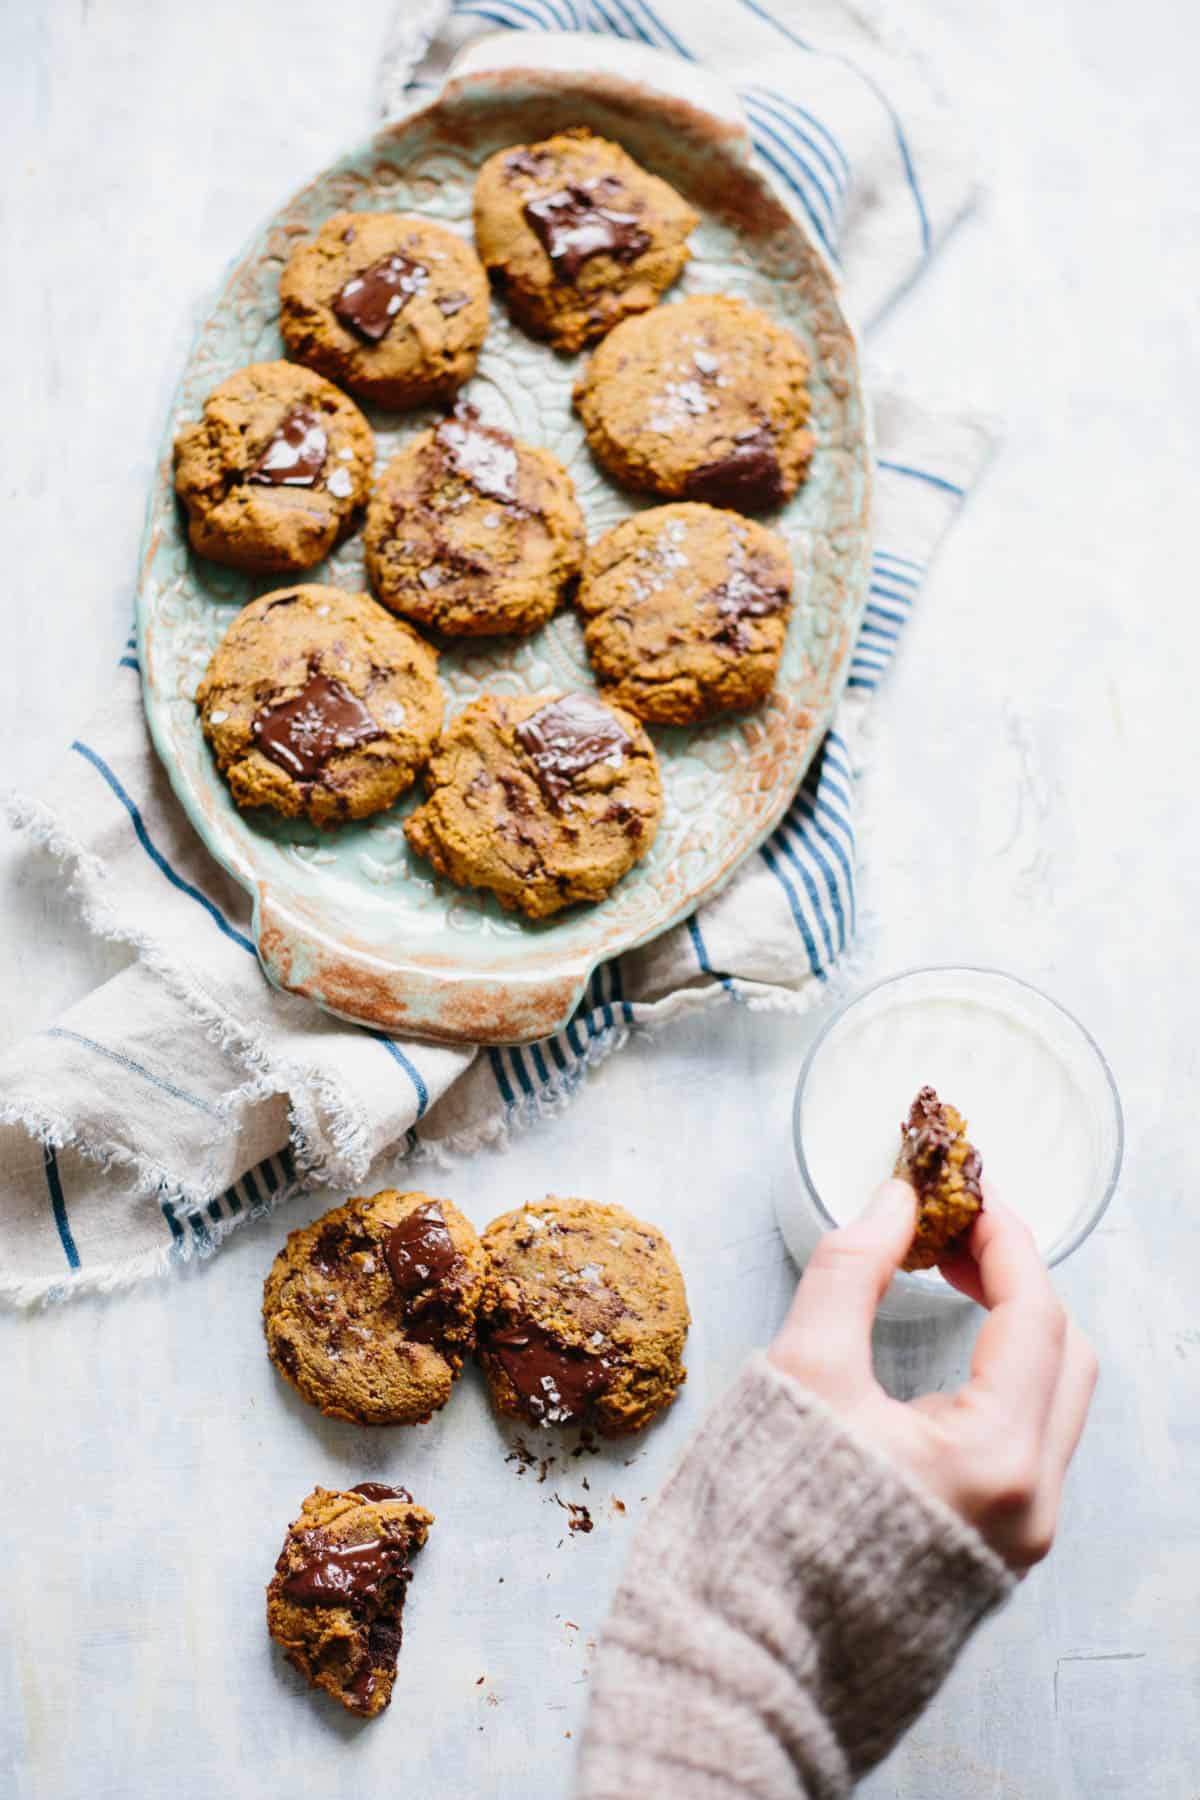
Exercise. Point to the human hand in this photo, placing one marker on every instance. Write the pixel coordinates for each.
(996, 1451)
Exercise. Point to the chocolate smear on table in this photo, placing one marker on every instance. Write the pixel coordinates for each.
(419, 1250)
(370, 301)
(747, 478)
(480, 454)
(345, 1574)
(379, 1490)
(568, 736)
(295, 452)
(300, 735)
(554, 1384)
(573, 224)
(581, 1517)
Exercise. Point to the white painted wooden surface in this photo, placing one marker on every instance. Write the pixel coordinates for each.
(1043, 703)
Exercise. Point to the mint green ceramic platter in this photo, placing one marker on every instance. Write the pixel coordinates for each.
(349, 918)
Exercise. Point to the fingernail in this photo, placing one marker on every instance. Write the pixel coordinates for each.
(894, 1200)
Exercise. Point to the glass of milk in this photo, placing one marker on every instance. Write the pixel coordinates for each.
(1039, 1099)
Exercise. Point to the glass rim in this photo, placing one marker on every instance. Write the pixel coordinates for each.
(1089, 1223)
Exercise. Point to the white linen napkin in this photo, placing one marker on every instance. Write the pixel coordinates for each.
(186, 1094)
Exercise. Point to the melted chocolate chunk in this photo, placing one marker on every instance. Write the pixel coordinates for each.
(568, 736)
(295, 453)
(485, 457)
(749, 593)
(572, 225)
(345, 1574)
(335, 1246)
(420, 1251)
(378, 1490)
(928, 1136)
(369, 302)
(301, 735)
(449, 304)
(526, 162)
(748, 477)
(554, 1384)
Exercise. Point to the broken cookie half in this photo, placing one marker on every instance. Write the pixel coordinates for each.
(946, 1170)
(335, 1602)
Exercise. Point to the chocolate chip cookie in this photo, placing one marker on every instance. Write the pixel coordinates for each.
(543, 799)
(391, 307)
(318, 703)
(686, 611)
(577, 235)
(472, 533)
(275, 469)
(370, 1310)
(947, 1172)
(705, 399)
(583, 1316)
(335, 1601)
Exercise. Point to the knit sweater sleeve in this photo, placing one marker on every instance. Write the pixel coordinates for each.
(791, 1604)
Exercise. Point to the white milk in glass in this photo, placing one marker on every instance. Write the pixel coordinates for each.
(1034, 1090)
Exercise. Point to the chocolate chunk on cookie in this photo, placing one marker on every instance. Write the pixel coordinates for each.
(706, 399)
(390, 307)
(336, 1599)
(275, 469)
(578, 235)
(370, 1310)
(583, 1316)
(545, 800)
(946, 1170)
(686, 612)
(319, 704)
(471, 533)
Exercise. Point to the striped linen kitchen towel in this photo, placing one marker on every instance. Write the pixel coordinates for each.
(186, 1094)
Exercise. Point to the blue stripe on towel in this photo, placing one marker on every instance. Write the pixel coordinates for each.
(937, 481)
(58, 1206)
(902, 562)
(789, 111)
(760, 132)
(136, 1068)
(618, 988)
(155, 855)
(502, 1081)
(410, 1069)
(797, 911)
(666, 37)
(910, 174)
(701, 949)
(768, 122)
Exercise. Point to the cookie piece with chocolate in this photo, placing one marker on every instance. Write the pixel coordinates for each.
(273, 472)
(471, 533)
(336, 1599)
(390, 307)
(947, 1172)
(583, 1317)
(686, 612)
(578, 235)
(370, 1310)
(319, 704)
(706, 399)
(544, 799)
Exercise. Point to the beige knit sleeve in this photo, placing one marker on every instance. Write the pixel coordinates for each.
(791, 1604)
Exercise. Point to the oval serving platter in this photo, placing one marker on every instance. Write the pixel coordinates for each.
(348, 918)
